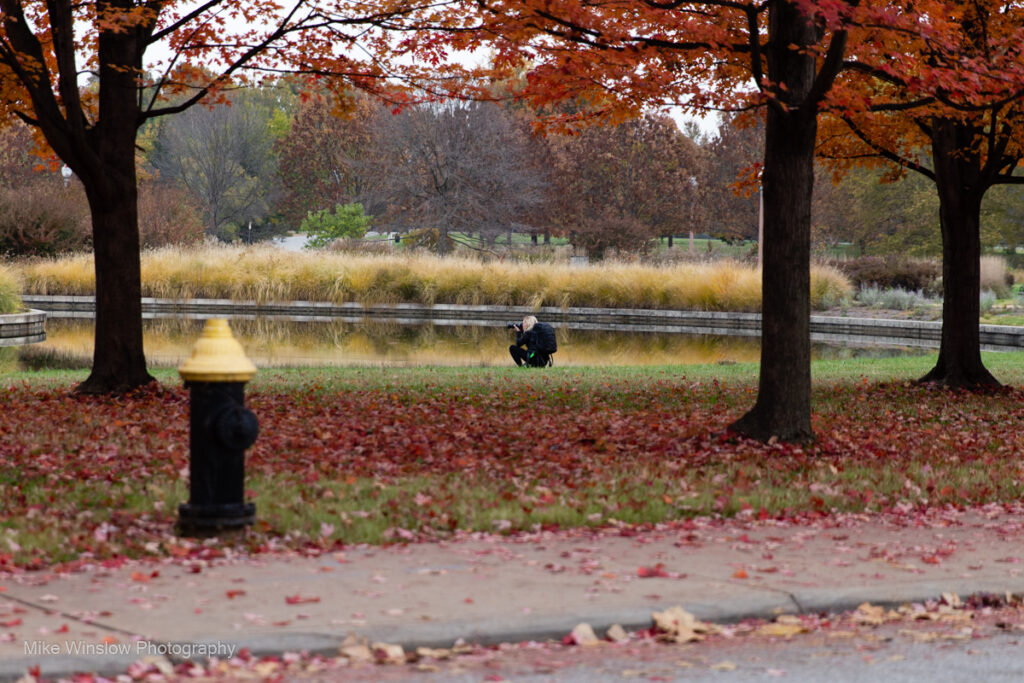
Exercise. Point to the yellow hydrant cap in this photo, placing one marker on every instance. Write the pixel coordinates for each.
(217, 357)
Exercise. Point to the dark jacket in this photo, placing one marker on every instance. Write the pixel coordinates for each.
(540, 339)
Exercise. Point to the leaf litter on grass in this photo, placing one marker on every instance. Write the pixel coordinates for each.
(101, 478)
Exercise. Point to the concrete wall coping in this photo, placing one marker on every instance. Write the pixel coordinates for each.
(873, 330)
(18, 329)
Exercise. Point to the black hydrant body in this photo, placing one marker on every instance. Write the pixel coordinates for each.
(220, 429)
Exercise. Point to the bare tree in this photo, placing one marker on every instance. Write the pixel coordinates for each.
(456, 167)
(224, 157)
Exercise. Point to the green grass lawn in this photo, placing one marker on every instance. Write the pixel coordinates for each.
(377, 455)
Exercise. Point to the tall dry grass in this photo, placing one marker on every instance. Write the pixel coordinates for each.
(10, 302)
(994, 275)
(271, 274)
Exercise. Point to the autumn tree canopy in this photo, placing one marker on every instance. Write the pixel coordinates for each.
(147, 59)
(946, 100)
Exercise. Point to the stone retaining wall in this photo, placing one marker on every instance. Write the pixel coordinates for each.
(823, 328)
(17, 329)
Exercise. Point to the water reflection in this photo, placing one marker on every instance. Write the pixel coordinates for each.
(273, 342)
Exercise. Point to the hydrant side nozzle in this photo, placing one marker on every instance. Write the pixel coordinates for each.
(217, 357)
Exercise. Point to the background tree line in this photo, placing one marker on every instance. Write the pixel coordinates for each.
(473, 173)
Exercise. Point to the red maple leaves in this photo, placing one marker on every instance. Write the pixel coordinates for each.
(82, 465)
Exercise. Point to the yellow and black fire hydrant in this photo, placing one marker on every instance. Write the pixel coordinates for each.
(220, 430)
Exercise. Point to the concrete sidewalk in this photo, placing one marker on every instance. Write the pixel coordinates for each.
(489, 589)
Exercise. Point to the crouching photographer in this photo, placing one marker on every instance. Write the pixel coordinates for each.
(539, 340)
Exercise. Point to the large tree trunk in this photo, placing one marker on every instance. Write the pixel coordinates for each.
(119, 364)
(961, 188)
(111, 186)
(783, 407)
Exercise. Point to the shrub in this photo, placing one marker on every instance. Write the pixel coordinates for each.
(891, 272)
(987, 300)
(352, 245)
(167, 215)
(607, 231)
(895, 299)
(323, 226)
(829, 287)
(43, 218)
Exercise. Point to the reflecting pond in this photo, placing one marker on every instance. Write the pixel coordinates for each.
(277, 342)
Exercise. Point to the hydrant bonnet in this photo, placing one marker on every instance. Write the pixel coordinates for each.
(217, 357)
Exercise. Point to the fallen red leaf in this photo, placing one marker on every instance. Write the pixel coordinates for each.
(300, 599)
(232, 594)
(657, 571)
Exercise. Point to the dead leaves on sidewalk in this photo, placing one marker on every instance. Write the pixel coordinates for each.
(672, 630)
(676, 625)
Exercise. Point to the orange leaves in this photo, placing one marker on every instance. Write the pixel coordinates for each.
(657, 571)
(117, 19)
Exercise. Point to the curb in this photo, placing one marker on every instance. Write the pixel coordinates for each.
(497, 630)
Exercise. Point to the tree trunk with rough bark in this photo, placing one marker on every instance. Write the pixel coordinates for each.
(961, 186)
(106, 166)
(119, 363)
(783, 406)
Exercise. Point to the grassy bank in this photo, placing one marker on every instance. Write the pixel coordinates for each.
(371, 455)
(270, 274)
(10, 286)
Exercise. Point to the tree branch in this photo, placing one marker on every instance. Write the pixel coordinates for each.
(888, 154)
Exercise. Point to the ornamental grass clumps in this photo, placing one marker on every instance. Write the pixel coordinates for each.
(267, 274)
(10, 302)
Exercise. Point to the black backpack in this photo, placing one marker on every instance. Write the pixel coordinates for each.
(546, 342)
